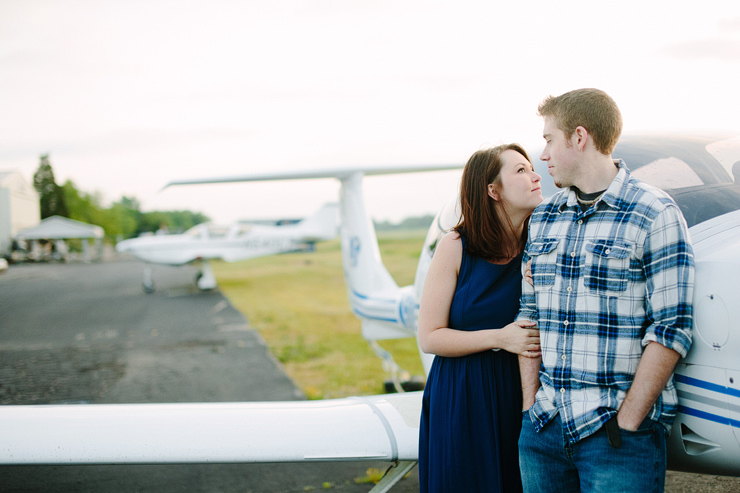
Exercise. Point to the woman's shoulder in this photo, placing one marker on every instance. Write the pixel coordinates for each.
(450, 239)
(449, 246)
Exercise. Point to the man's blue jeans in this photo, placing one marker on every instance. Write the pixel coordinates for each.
(549, 464)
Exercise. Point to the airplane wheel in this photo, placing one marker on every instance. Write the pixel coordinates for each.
(410, 385)
(147, 288)
(413, 384)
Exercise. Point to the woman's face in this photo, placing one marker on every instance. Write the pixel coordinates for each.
(519, 186)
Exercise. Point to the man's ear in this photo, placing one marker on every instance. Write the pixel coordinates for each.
(492, 192)
(580, 138)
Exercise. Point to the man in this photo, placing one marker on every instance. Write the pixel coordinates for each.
(612, 270)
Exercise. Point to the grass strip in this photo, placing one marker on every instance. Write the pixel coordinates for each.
(298, 303)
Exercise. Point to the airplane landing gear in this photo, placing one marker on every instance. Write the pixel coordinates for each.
(148, 284)
(393, 475)
(410, 384)
(400, 380)
(205, 278)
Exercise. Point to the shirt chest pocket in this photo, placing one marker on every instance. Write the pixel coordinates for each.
(544, 255)
(607, 266)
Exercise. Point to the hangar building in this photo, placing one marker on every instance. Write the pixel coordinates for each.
(19, 208)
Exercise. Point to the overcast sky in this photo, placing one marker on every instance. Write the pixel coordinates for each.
(126, 96)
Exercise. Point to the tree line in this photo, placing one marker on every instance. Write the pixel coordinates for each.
(415, 222)
(123, 219)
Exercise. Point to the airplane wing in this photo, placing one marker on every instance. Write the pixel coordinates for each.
(340, 173)
(382, 427)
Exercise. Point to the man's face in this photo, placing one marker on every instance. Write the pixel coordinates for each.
(559, 154)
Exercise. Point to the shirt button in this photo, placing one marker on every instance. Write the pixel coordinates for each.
(572, 254)
(563, 357)
(607, 251)
(569, 289)
(580, 221)
(566, 323)
(562, 391)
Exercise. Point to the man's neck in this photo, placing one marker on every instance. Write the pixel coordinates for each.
(597, 175)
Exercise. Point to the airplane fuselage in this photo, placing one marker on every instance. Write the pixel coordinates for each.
(183, 249)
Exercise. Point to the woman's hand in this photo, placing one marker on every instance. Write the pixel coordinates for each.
(522, 338)
(528, 273)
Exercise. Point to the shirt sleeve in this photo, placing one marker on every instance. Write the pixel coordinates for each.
(527, 302)
(668, 264)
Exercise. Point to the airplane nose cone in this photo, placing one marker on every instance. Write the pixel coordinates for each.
(123, 246)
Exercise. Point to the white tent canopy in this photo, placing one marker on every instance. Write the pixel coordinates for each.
(60, 228)
(57, 229)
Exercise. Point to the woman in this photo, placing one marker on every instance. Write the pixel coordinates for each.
(471, 413)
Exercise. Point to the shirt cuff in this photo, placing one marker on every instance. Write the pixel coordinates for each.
(679, 340)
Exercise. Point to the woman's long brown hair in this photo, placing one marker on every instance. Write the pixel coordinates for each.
(484, 222)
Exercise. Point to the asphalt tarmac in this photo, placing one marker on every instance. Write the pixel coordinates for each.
(86, 333)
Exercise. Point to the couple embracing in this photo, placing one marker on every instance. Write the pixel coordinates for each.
(556, 325)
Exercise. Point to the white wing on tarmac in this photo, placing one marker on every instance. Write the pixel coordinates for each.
(351, 429)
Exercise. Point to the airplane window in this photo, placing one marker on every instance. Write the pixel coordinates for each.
(668, 173)
(238, 229)
(194, 231)
(446, 219)
(701, 173)
(215, 231)
(200, 231)
(450, 215)
(726, 152)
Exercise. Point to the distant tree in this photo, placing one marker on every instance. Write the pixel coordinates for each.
(115, 221)
(128, 212)
(131, 203)
(171, 221)
(417, 222)
(179, 221)
(81, 206)
(123, 219)
(122, 222)
(51, 195)
(150, 222)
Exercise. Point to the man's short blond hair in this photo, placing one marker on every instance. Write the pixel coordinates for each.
(591, 109)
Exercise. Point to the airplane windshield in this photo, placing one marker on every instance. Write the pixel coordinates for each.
(446, 219)
(214, 231)
(701, 174)
(198, 231)
(207, 231)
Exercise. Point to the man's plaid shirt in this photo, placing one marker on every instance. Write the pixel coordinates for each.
(607, 282)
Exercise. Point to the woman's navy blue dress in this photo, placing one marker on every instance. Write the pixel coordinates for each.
(471, 411)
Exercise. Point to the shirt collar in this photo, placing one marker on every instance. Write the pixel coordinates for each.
(611, 195)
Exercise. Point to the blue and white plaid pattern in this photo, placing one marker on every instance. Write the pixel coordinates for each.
(607, 282)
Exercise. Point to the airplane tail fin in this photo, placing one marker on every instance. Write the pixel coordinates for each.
(322, 225)
(386, 310)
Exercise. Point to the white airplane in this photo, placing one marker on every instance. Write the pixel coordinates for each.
(702, 174)
(238, 241)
